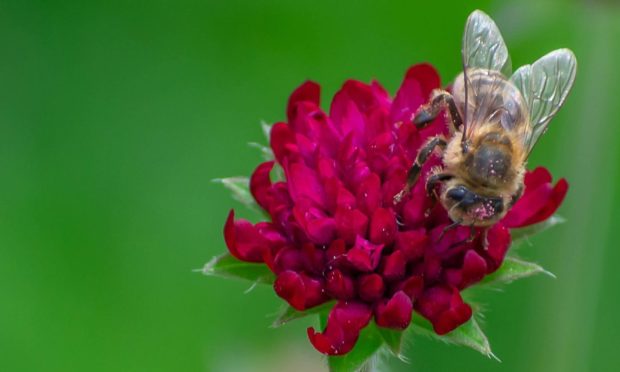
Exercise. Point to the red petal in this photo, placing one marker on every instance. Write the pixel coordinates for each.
(381, 95)
(347, 116)
(339, 285)
(370, 287)
(326, 168)
(260, 184)
(299, 290)
(364, 255)
(289, 285)
(396, 313)
(383, 226)
(307, 148)
(498, 240)
(243, 239)
(315, 292)
(361, 94)
(452, 318)
(314, 258)
(369, 194)
(444, 308)
(540, 200)
(449, 238)
(394, 266)
(473, 270)
(303, 183)
(288, 258)
(539, 176)
(553, 203)
(281, 138)
(336, 249)
(321, 230)
(344, 324)
(350, 224)
(412, 286)
(412, 243)
(344, 199)
(418, 205)
(415, 90)
(318, 228)
(331, 342)
(309, 91)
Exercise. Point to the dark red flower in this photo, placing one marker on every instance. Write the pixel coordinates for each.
(335, 232)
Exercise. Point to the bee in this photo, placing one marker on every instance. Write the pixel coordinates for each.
(495, 120)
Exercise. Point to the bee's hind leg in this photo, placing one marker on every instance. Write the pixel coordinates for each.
(427, 113)
(414, 171)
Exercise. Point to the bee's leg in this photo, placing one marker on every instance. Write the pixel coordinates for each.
(435, 179)
(414, 171)
(485, 240)
(516, 196)
(452, 226)
(471, 238)
(472, 233)
(427, 113)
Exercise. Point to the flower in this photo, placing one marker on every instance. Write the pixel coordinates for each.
(335, 233)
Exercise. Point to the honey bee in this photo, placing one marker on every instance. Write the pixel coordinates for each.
(495, 120)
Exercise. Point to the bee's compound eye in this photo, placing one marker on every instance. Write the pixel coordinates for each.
(457, 193)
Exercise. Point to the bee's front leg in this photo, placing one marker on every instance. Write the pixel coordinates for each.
(435, 179)
(427, 113)
(485, 238)
(414, 171)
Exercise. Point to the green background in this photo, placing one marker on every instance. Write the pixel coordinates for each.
(116, 115)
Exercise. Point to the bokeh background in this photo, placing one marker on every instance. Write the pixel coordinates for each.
(115, 116)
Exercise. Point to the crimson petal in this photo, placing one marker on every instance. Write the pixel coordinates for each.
(364, 255)
(243, 239)
(260, 184)
(396, 312)
(299, 290)
(344, 324)
(309, 91)
(539, 201)
(444, 308)
(415, 90)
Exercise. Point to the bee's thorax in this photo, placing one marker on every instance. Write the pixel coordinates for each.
(489, 162)
(493, 164)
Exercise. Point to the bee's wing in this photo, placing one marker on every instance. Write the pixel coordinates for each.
(483, 45)
(544, 85)
(484, 53)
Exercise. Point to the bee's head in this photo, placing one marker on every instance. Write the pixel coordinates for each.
(470, 208)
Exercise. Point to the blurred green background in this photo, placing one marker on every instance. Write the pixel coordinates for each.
(115, 116)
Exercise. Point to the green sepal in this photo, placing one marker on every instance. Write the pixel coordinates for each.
(521, 234)
(240, 190)
(393, 340)
(227, 266)
(512, 269)
(469, 334)
(289, 313)
(265, 151)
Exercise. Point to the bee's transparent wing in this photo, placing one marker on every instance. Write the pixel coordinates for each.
(544, 85)
(485, 64)
(483, 45)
